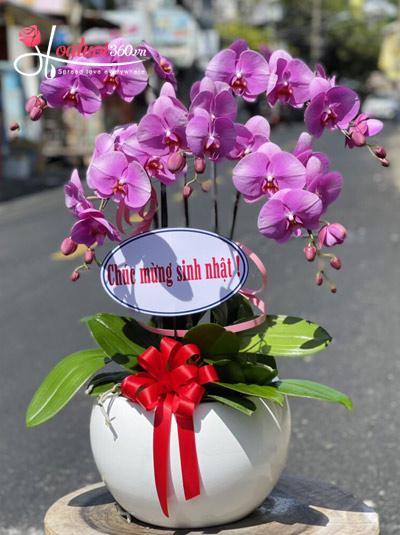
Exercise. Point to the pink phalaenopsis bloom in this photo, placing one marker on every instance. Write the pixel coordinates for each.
(327, 185)
(92, 227)
(155, 165)
(333, 109)
(321, 83)
(111, 175)
(127, 77)
(208, 137)
(162, 66)
(304, 151)
(293, 79)
(361, 128)
(162, 129)
(114, 141)
(75, 199)
(73, 90)
(250, 136)
(214, 97)
(245, 71)
(288, 212)
(332, 234)
(266, 171)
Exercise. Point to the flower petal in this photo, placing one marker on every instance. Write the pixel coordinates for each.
(249, 174)
(222, 66)
(105, 170)
(139, 186)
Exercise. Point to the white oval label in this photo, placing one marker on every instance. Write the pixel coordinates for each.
(174, 271)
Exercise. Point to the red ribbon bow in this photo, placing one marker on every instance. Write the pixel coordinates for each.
(171, 385)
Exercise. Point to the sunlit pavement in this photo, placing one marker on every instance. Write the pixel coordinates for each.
(40, 310)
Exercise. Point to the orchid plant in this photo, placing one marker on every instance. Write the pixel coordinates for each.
(132, 168)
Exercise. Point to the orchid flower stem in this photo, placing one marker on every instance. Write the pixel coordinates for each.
(234, 217)
(97, 261)
(164, 206)
(186, 207)
(215, 195)
(155, 220)
(103, 203)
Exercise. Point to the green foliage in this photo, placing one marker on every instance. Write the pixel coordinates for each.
(64, 380)
(235, 310)
(255, 36)
(350, 41)
(266, 392)
(122, 339)
(285, 336)
(213, 340)
(105, 381)
(234, 401)
(245, 362)
(309, 389)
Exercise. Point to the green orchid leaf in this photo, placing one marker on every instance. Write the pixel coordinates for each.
(258, 358)
(213, 339)
(259, 375)
(285, 336)
(64, 380)
(217, 361)
(232, 372)
(235, 401)
(236, 309)
(102, 382)
(309, 389)
(122, 339)
(266, 392)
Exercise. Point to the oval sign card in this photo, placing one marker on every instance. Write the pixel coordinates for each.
(174, 271)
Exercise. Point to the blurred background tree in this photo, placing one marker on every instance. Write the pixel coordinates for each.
(254, 35)
(342, 34)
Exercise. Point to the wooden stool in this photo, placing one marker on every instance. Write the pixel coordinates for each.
(296, 506)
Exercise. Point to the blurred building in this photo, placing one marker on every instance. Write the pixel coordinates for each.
(166, 24)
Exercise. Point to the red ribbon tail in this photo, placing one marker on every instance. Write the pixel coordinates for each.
(188, 454)
(161, 436)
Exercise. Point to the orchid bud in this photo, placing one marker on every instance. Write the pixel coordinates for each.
(332, 234)
(358, 139)
(68, 246)
(199, 165)
(176, 162)
(88, 257)
(380, 151)
(206, 186)
(385, 162)
(319, 279)
(187, 191)
(14, 126)
(310, 252)
(333, 288)
(31, 103)
(74, 276)
(35, 102)
(336, 263)
(35, 113)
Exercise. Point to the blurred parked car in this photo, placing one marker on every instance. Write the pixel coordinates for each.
(383, 106)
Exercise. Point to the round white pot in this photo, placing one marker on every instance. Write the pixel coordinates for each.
(240, 459)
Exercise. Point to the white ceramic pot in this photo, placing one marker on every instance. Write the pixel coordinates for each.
(240, 459)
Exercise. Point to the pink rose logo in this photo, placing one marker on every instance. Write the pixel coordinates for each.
(30, 36)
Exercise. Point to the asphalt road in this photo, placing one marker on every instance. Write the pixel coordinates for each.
(358, 451)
